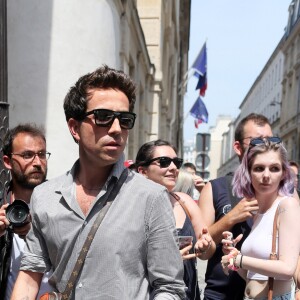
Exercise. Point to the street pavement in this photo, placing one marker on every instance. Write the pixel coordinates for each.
(201, 268)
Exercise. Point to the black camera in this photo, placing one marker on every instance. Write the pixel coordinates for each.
(17, 213)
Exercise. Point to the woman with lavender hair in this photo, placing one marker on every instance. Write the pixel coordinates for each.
(264, 174)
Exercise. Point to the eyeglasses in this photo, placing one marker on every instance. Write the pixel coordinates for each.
(262, 141)
(106, 117)
(165, 161)
(29, 156)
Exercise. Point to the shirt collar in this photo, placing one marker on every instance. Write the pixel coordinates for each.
(116, 171)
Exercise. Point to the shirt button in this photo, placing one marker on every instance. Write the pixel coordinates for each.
(80, 285)
(85, 223)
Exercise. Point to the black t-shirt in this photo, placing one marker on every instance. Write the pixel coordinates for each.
(218, 285)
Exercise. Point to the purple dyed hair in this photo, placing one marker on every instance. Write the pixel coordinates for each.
(242, 186)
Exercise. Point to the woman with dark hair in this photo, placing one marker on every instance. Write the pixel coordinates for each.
(264, 174)
(158, 161)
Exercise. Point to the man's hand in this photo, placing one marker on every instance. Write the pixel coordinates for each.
(4, 223)
(245, 209)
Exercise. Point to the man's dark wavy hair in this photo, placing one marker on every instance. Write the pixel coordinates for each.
(75, 102)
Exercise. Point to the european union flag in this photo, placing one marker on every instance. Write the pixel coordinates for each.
(199, 111)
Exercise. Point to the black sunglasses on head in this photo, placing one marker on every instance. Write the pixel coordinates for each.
(262, 141)
(106, 117)
(165, 161)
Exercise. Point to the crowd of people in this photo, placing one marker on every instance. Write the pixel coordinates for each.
(107, 230)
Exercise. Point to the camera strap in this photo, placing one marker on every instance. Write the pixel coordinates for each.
(111, 195)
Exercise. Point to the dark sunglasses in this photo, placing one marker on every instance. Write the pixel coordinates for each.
(262, 141)
(105, 118)
(165, 161)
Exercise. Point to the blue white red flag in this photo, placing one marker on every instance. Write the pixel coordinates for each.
(200, 68)
(199, 112)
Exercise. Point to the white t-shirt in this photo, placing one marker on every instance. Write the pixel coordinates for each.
(16, 254)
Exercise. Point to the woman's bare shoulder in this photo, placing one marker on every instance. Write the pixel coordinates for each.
(289, 201)
(185, 197)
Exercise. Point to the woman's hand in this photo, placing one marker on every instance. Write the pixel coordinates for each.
(228, 241)
(228, 261)
(204, 242)
(185, 252)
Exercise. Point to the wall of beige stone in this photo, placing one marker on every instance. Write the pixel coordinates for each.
(52, 43)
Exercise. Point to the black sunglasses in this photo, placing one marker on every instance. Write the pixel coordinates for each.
(262, 141)
(165, 161)
(105, 117)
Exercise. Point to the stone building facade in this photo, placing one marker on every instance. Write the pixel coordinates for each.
(289, 124)
(264, 97)
(50, 44)
(275, 93)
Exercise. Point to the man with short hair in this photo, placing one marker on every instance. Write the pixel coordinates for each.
(134, 250)
(25, 156)
(224, 212)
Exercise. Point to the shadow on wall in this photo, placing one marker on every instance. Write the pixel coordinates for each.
(28, 47)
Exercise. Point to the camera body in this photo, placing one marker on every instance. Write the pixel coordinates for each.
(17, 213)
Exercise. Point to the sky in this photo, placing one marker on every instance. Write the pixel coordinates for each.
(240, 37)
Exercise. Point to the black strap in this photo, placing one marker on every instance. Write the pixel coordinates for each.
(6, 242)
(111, 195)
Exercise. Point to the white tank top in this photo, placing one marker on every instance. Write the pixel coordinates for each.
(259, 242)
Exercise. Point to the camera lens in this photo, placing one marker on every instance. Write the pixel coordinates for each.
(17, 213)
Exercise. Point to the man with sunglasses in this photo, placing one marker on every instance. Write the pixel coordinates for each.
(25, 156)
(224, 212)
(134, 251)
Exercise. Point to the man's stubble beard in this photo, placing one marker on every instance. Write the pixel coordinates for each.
(27, 181)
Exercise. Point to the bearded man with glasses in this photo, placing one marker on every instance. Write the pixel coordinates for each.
(134, 251)
(25, 156)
